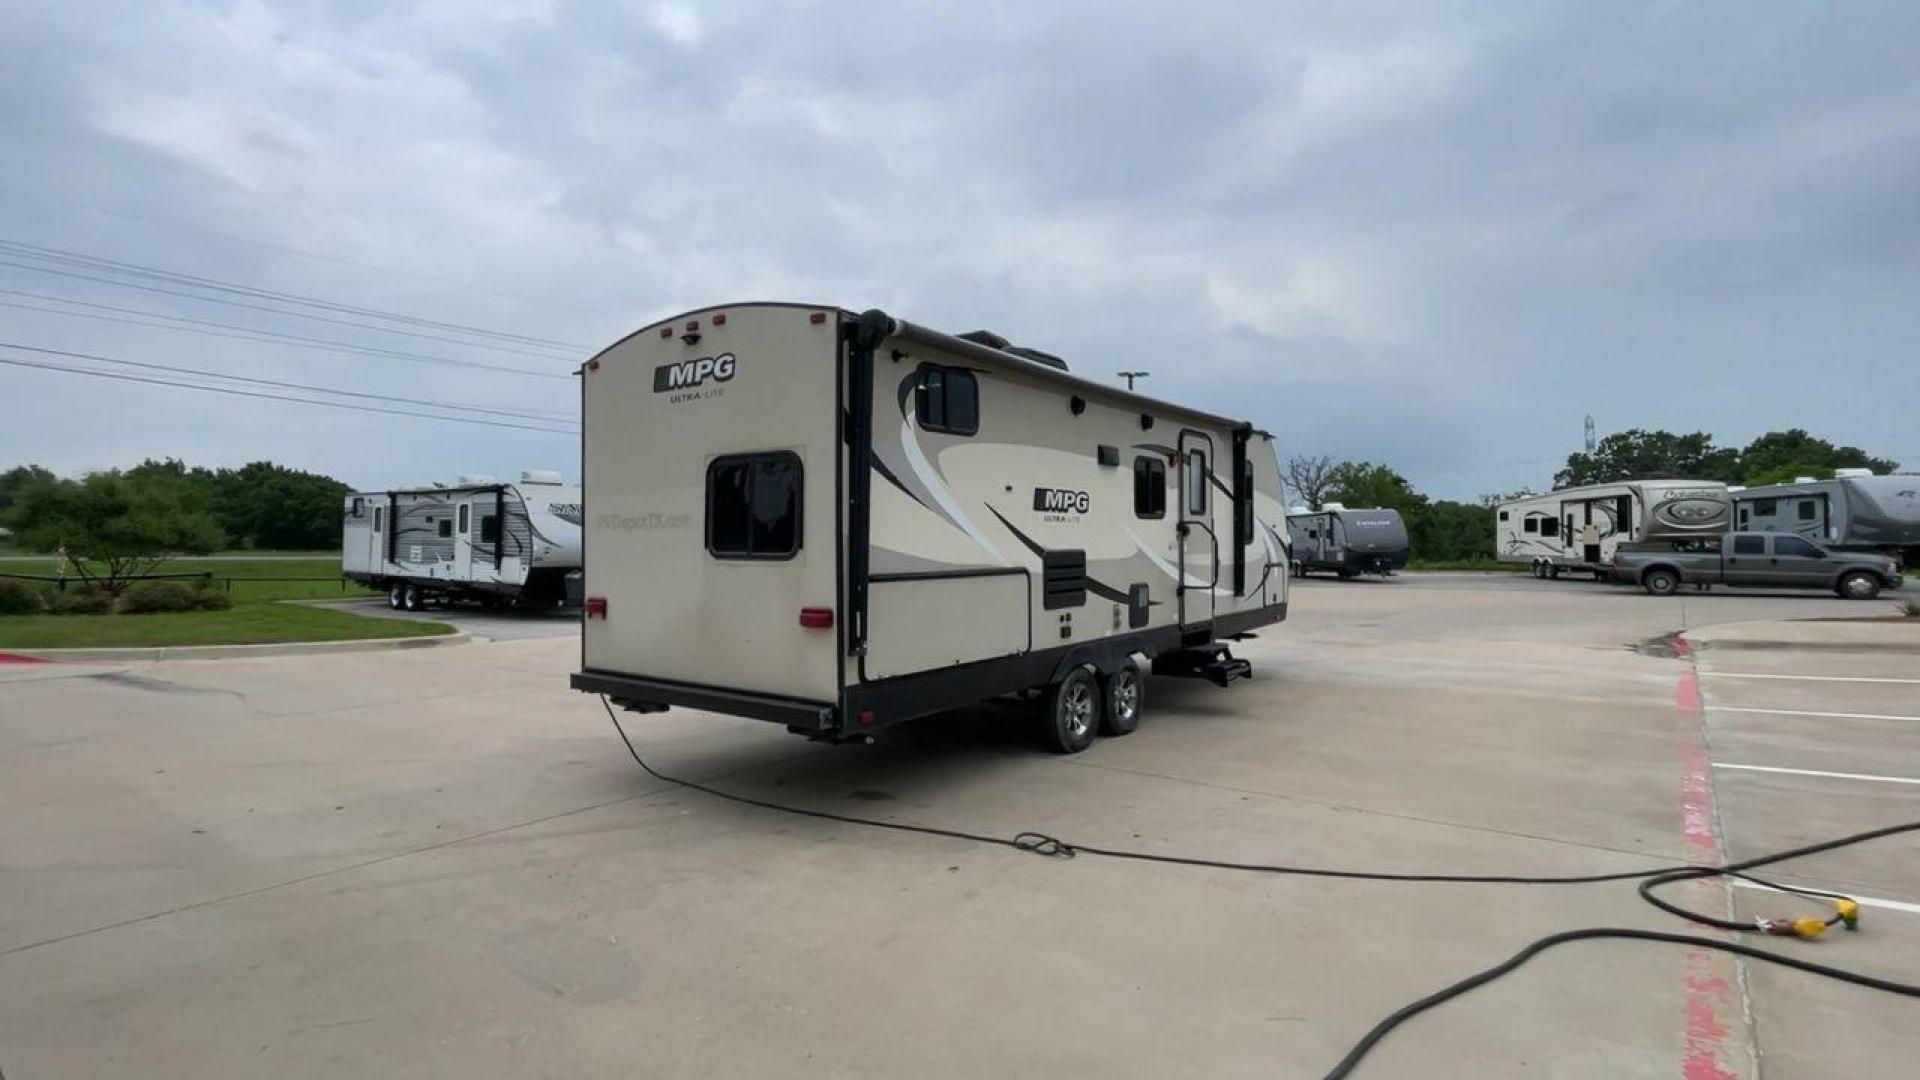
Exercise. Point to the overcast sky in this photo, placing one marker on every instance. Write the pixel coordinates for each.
(1431, 235)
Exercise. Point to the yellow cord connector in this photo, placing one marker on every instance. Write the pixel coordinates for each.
(1848, 912)
(1806, 928)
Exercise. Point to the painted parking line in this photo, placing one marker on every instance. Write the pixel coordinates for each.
(1863, 901)
(1820, 772)
(1800, 712)
(1807, 678)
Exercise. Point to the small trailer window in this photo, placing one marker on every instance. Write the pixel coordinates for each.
(446, 528)
(948, 400)
(1807, 510)
(379, 513)
(1195, 476)
(1549, 526)
(753, 506)
(1503, 515)
(489, 528)
(1531, 525)
(463, 520)
(1765, 507)
(1149, 487)
(359, 507)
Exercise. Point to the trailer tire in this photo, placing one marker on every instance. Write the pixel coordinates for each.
(413, 600)
(1072, 711)
(1858, 585)
(1126, 699)
(396, 596)
(1660, 581)
(1553, 572)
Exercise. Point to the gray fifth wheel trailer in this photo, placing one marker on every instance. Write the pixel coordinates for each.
(1580, 528)
(493, 543)
(1854, 511)
(839, 522)
(1347, 542)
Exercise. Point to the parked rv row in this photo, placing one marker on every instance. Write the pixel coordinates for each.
(1851, 534)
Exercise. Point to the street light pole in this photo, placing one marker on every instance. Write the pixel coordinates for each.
(1132, 375)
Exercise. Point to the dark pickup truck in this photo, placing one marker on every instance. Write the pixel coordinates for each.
(1754, 560)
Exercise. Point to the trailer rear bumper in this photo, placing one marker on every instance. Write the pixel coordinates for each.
(796, 713)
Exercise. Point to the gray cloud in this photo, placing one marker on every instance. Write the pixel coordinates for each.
(1435, 237)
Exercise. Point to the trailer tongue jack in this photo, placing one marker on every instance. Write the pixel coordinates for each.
(1213, 662)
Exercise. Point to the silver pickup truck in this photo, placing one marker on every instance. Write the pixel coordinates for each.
(1754, 560)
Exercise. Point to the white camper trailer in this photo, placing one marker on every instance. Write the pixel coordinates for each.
(1579, 528)
(839, 522)
(478, 540)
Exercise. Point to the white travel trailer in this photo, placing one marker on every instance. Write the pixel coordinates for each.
(839, 522)
(1854, 511)
(479, 540)
(1579, 528)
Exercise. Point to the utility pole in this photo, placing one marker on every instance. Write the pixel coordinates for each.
(1132, 375)
(1590, 443)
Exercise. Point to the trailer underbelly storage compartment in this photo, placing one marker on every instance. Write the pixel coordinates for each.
(841, 522)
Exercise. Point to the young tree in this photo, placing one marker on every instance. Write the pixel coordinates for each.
(1309, 477)
(114, 526)
(1364, 484)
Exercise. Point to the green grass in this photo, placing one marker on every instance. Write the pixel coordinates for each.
(1480, 565)
(244, 624)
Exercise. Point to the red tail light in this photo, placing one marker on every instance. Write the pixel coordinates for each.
(595, 607)
(816, 618)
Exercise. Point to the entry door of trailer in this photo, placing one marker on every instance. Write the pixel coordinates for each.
(464, 510)
(1199, 540)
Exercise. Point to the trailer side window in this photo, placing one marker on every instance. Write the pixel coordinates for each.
(359, 507)
(948, 399)
(379, 515)
(1765, 507)
(463, 519)
(753, 506)
(1149, 487)
(446, 528)
(1531, 525)
(489, 528)
(1503, 515)
(1195, 476)
(1807, 510)
(1549, 526)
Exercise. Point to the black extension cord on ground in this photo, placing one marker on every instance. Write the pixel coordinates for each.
(1651, 879)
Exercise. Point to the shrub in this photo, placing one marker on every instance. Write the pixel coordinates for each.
(20, 598)
(149, 597)
(80, 602)
(1911, 607)
(208, 598)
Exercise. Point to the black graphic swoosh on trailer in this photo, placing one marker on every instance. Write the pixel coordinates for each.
(1099, 589)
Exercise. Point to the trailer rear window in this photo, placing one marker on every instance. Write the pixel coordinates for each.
(753, 506)
(948, 400)
(1149, 487)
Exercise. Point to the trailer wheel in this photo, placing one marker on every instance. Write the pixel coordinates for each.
(1858, 585)
(397, 597)
(413, 601)
(1660, 581)
(1126, 698)
(1553, 571)
(1072, 716)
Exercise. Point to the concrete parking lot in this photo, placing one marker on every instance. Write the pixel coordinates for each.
(442, 862)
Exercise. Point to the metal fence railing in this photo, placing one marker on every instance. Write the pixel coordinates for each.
(61, 581)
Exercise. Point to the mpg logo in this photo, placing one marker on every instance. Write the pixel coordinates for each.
(1060, 501)
(688, 374)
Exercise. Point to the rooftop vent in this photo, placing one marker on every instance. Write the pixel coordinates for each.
(473, 480)
(1851, 474)
(540, 476)
(1805, 480)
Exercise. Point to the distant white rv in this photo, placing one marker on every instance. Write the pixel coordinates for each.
(1579, 528)
(480, 540)
(1854, 511)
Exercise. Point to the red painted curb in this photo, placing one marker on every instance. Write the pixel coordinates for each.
(16, 658)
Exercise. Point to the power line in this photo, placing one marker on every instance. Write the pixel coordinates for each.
(249, 333)
(281, 397)
(277, 311)
(22, 249)
(287, 385)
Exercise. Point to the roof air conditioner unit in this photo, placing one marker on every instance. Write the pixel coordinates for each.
(540, 476)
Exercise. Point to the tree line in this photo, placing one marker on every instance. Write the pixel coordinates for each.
(260, 505)
(1445, 530)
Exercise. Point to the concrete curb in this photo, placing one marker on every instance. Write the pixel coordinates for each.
(235, 652)
(1867, 634)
